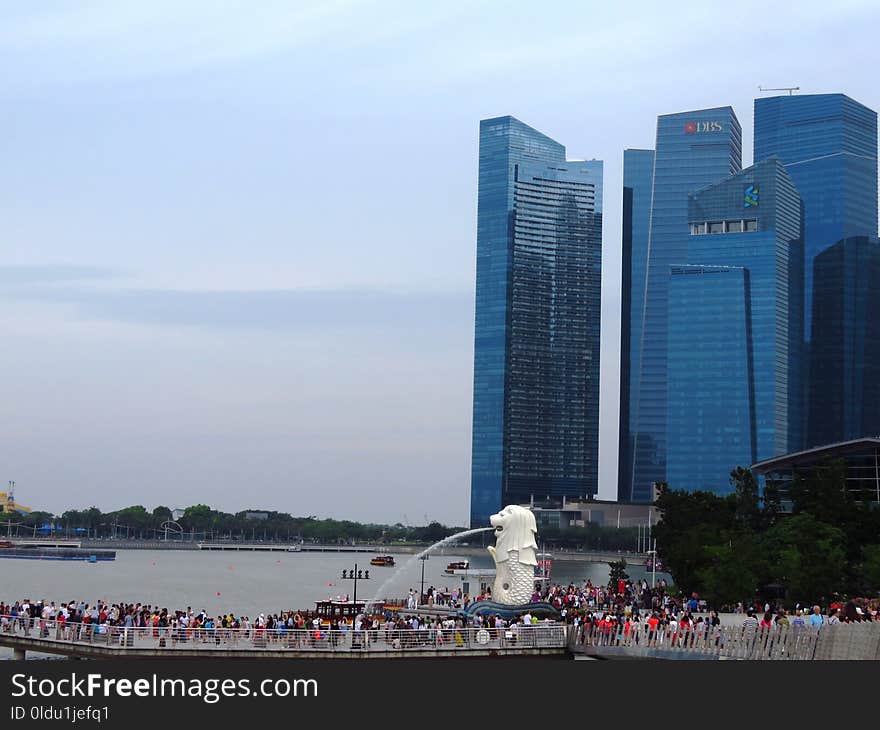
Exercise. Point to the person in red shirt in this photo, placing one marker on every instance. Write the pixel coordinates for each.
(653, 623)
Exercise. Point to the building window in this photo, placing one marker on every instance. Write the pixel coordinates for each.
(733, 226)
(750, 225)
(698, 229)
(716, 227)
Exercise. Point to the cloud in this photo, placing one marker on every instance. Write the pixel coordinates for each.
(420, 313)
(13, 276)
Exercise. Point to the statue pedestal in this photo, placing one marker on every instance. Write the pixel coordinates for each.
(541, 609)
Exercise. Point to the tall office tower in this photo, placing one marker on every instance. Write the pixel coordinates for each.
(736, 329)
(693, 149)
(536, 344)
(844, 397)
(638, 178)
(828, 143)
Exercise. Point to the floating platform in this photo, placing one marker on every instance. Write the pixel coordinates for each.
(37, 553)
(251, 547)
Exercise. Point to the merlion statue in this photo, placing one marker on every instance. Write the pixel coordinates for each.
(514, 555)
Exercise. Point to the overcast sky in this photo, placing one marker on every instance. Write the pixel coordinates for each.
(238, 239)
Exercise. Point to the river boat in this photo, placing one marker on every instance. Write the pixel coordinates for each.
(457, 565)
(383, 560)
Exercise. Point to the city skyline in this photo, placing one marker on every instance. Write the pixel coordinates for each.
(239, 246)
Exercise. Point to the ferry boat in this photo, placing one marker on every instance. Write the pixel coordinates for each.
(458, 565)
(383, 560)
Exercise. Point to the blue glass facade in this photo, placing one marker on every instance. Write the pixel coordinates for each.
(711, 410)
(638, 178)
(693, 149)
(536, 344)
(828, 143)
(749, 222)
(844, 397)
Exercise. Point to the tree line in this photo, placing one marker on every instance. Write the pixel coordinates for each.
(201, 522)
(818, 544)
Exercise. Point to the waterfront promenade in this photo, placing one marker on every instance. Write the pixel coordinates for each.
(731, 640)
(727, 641)
(105, 642)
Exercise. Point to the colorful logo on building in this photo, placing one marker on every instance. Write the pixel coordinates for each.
(750, 196)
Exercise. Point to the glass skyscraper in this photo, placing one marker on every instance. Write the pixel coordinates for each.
(638, 179)
(736, 329)
(693, 149)
(828, 144)
(536, 343)
(844, 399)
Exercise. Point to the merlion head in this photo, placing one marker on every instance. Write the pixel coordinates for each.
(515, 529)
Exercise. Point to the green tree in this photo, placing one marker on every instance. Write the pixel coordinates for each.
(161, 514)
(691, 523)
(871, 569)
(807, 557)
(734, 571)
(617, 572)
(746, 498)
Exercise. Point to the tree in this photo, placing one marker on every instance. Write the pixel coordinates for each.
(617, 572)
(747, 501)
(871, 568)
(733, 574)
(161, 514)
(690, 524)
(807, 557)
(197, 518)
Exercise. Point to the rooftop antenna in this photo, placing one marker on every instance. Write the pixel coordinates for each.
(789, 89)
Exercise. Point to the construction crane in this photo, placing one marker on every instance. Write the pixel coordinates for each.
(789, 89)
(8, 503)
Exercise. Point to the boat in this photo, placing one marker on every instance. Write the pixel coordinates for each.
(385, 560)
(458, 565)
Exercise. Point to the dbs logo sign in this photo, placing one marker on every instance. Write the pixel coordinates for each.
(694, 127)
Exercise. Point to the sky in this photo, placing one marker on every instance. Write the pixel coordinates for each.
(238, 240)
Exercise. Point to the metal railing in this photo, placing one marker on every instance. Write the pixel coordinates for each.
(378, 639)
(839, 641)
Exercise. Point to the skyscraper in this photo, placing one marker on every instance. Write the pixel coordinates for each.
(828, 144)
(693, 149)
(536, 344)
(736, 329)
(844, 399)
(638, 179)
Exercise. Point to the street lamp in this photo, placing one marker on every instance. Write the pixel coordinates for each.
(423, 558)
(355, 575)
(653, 554)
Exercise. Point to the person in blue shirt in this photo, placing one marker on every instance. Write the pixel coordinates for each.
(816, 617)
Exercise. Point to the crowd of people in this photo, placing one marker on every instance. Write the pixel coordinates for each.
(619, 610)
(80, 620)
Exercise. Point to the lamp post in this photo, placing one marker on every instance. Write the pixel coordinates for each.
(422, 588)
(653, 554)
(355, 576)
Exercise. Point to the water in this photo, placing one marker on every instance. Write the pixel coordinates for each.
(382, 592)
(245, 583)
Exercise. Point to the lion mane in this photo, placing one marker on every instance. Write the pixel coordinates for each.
(517, 534)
